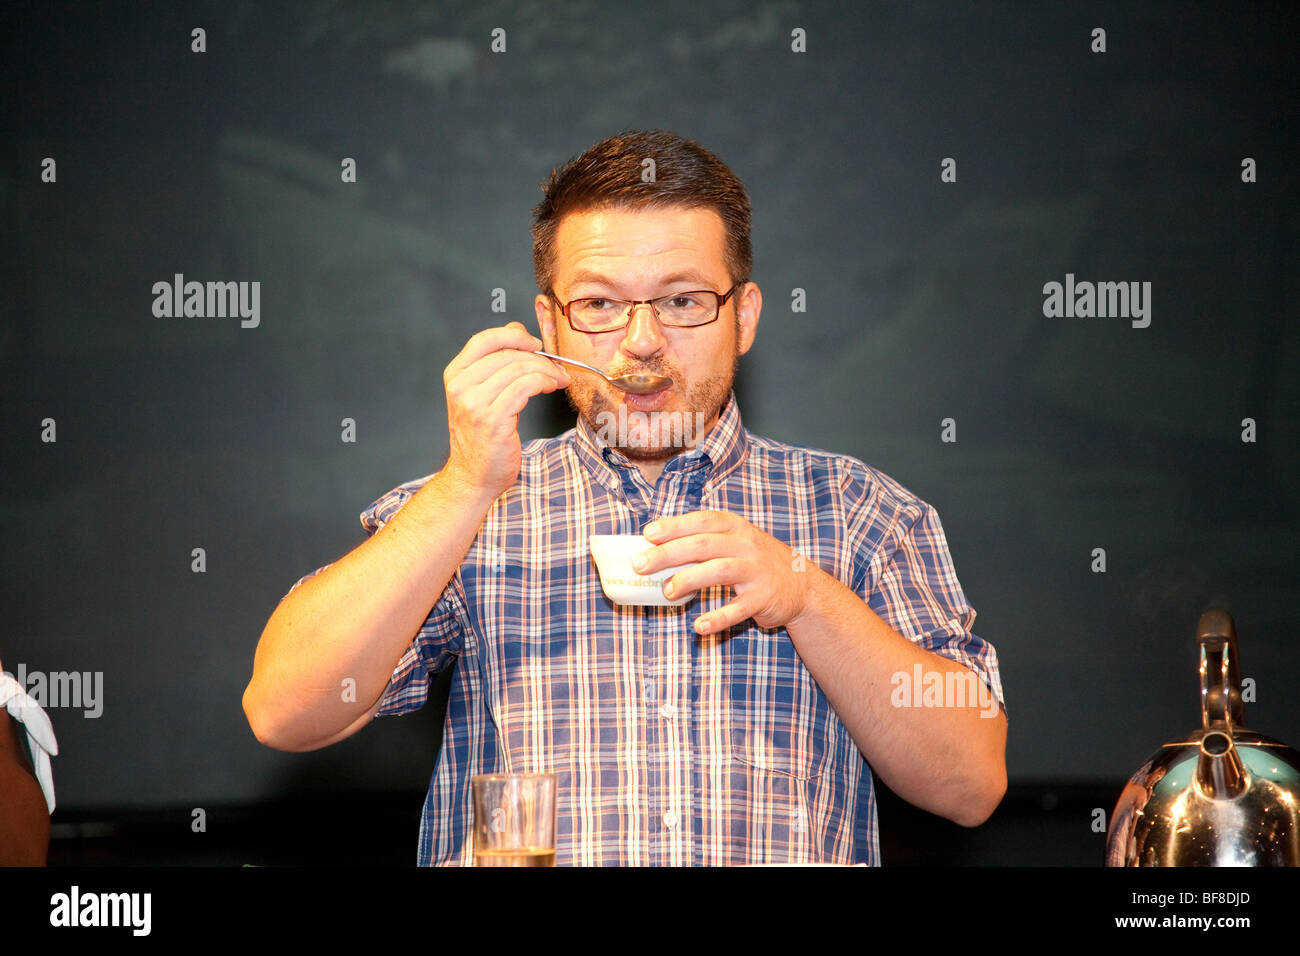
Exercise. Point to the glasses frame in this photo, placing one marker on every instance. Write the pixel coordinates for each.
(632, 304)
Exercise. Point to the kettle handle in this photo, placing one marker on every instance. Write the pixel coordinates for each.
(1221, 702)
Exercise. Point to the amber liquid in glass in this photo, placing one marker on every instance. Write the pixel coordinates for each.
(515, 856)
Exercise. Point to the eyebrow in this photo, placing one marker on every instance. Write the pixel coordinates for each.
(595, 278)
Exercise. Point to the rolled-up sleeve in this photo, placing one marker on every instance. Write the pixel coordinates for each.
(909, 581)
(436, 646)
(439, 640)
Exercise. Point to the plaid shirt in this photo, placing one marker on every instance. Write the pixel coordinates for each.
(670, 748)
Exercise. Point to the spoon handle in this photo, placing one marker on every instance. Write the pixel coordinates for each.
(569, 361)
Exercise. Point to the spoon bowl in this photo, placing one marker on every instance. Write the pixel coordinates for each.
(637, 383)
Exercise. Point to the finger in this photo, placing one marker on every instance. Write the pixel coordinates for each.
(480, 371)
(511, 336)
(726, 572)
(686, 550)
(514, 397)
(486, 393)
(697, 522)
(729, 615)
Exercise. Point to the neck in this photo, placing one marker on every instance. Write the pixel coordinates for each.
(652, 468)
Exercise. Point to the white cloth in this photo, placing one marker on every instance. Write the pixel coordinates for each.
(40, 733)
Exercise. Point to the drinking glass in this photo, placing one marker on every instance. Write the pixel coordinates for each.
(514, 819)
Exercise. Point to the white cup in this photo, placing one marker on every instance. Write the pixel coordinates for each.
(614, 554)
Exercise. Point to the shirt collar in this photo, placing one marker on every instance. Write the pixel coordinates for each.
(721, 452)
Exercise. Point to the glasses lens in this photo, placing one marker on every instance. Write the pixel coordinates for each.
(597, 315)
(687, 308)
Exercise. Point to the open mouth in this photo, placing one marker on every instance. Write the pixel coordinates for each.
(649, 402)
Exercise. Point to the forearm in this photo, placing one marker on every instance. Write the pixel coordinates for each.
(950, 760)
(356, 618)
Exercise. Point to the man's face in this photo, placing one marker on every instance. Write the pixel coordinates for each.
(645, 254)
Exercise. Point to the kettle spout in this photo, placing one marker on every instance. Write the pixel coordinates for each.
(1220, 774)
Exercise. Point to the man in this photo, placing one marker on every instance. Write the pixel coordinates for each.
(730, 730)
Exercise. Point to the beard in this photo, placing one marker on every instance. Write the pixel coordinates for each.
(665, 432)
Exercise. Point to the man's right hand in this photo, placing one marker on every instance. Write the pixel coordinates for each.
(488, 385)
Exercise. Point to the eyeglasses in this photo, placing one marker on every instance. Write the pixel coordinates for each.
(682, 310)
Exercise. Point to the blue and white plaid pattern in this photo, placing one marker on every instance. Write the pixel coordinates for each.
(670, 748)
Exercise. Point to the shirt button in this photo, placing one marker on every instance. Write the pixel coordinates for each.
(670, 819)
(668, 711)
(650, 692)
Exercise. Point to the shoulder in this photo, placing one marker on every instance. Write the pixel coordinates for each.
(542, 458)
(547, 463)
(857, 485)
(542, 451)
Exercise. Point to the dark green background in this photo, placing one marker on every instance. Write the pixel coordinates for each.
(924, 302)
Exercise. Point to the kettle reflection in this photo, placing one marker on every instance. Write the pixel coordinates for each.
(1224, 796)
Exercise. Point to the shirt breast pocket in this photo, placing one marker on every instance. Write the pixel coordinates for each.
(781, 722)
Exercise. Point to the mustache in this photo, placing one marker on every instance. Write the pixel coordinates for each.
(653, 368)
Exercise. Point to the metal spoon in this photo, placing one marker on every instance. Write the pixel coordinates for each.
(638, 383)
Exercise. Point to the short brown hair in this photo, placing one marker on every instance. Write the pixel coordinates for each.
(608, 175)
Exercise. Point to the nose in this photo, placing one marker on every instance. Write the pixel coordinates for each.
(644, 336)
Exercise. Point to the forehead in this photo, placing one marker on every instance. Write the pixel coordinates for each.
(640, 246)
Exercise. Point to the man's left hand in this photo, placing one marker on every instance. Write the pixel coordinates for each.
(769, 577)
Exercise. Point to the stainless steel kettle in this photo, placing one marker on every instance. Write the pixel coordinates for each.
(1225, 796)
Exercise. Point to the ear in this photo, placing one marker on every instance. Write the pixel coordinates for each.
(749, 303)
(546, 310)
